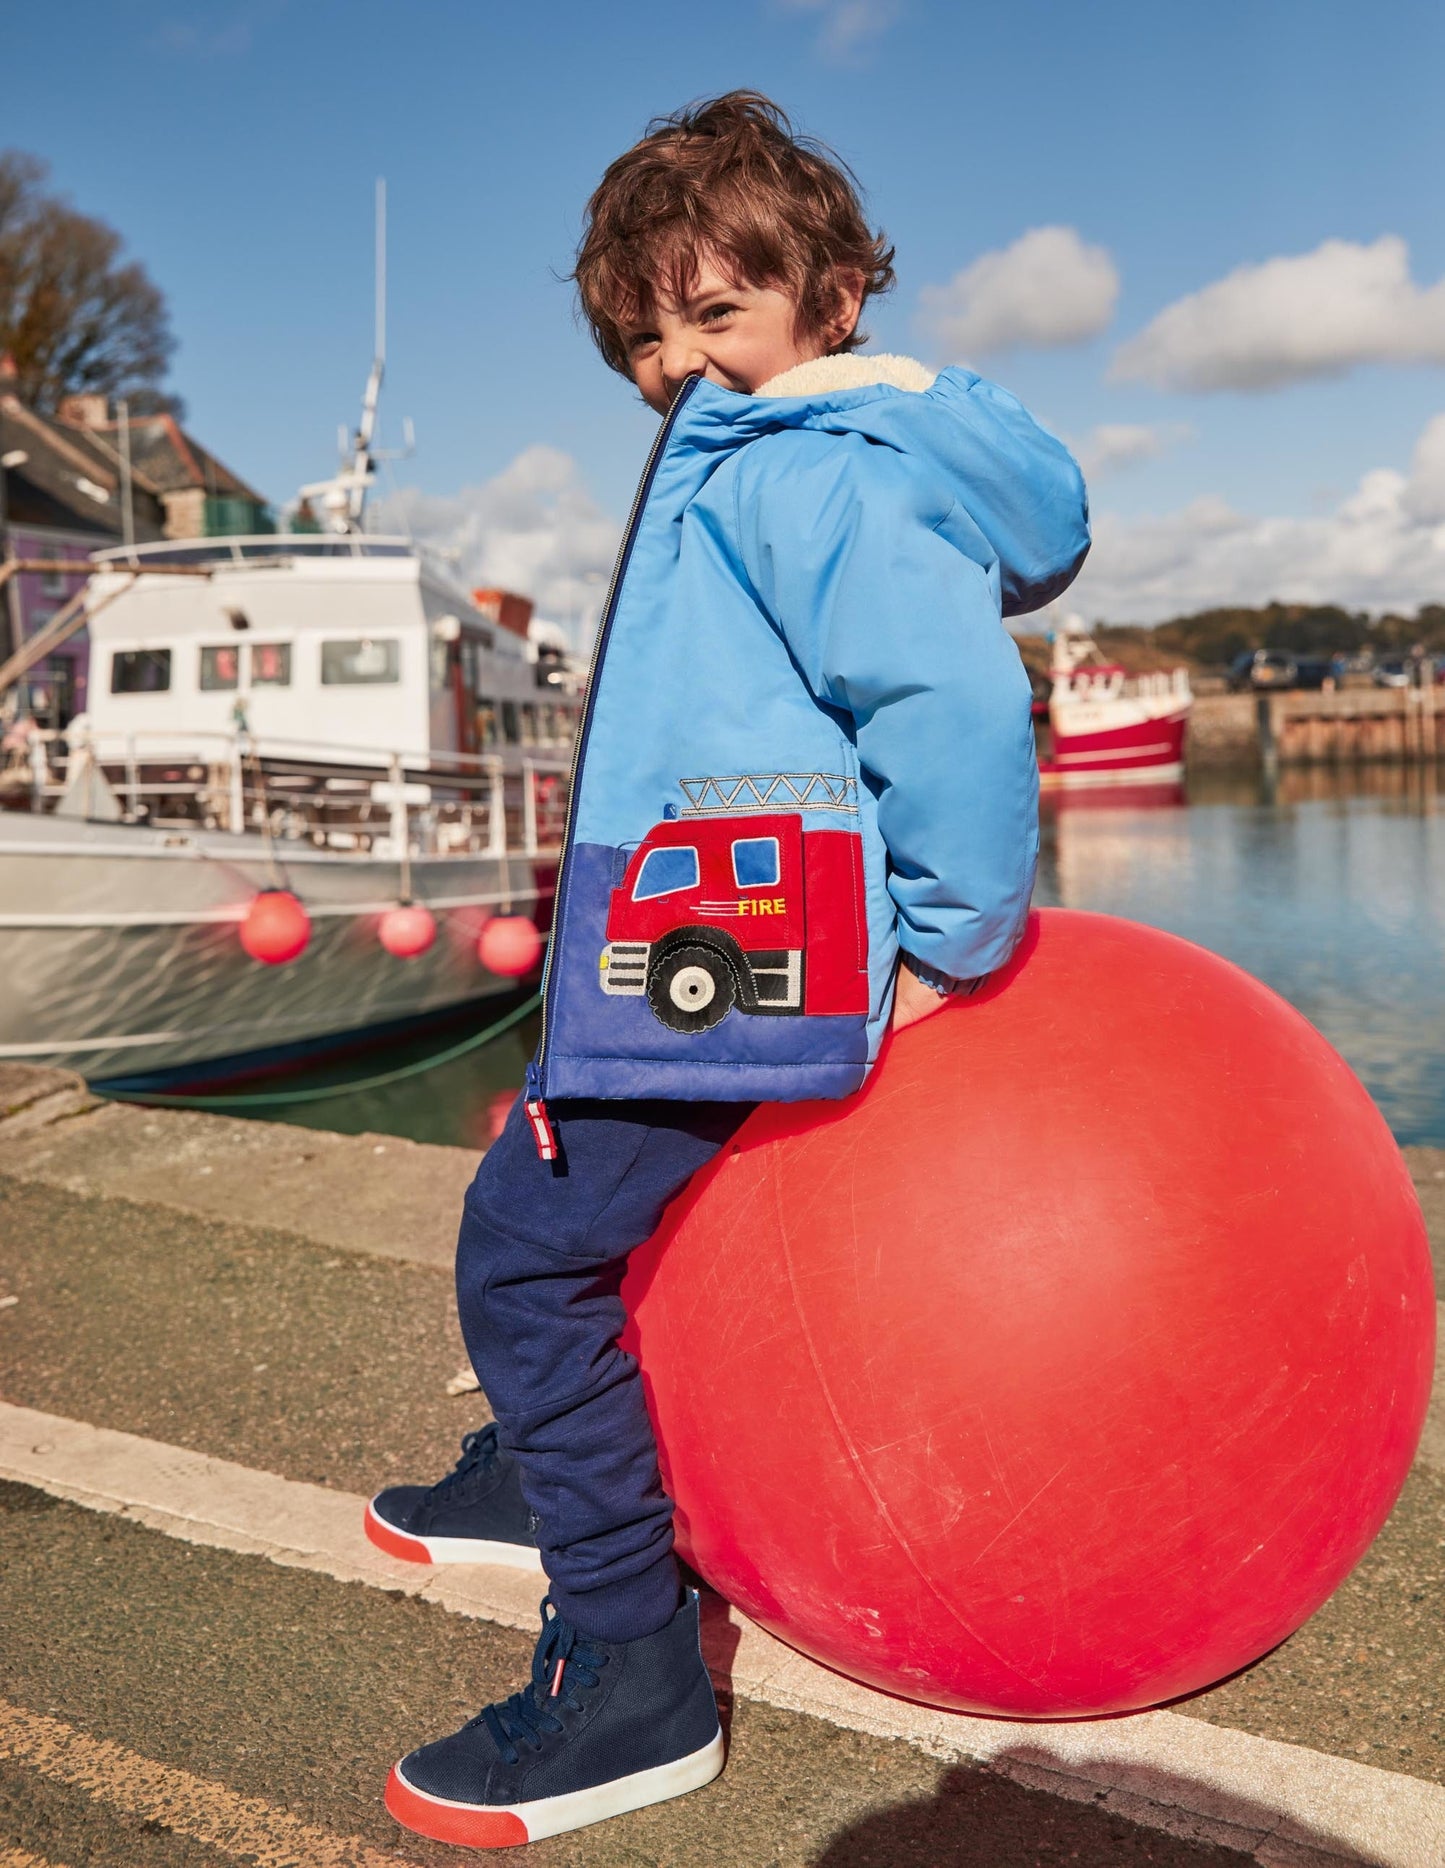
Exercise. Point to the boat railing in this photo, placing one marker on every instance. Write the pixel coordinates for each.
(343, 798)
(1108, 682)
(263, 548)
(1163, 681)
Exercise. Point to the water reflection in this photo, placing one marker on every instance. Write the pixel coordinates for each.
(1327, 884)
(460, 1102)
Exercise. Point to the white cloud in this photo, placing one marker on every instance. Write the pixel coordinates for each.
(1425, 490)
(534, 528)
(1114, 445)
(1307, 314)
(1382, 547)
(846, 27)
(1048, 288)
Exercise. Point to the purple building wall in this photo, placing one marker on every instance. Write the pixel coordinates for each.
(40, 596)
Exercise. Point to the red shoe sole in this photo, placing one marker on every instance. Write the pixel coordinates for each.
(452, 1822)
(395, 1543)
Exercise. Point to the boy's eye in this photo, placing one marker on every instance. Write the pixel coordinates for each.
(640, 340)
(715, 313)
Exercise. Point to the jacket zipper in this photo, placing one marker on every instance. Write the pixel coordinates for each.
(534, 1097)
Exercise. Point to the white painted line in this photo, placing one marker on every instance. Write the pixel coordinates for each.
(197, 1807)
(1285, 1804)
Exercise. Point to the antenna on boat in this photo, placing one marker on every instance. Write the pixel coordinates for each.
(343, 499)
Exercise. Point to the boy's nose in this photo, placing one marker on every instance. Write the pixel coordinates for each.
(679, 361)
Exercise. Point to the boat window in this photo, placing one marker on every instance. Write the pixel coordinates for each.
(358, 664)
(511, 726)
(221, 668)
(140, 671)
(487, 734)
(756, 862)
(665, 871)
(271, 664)
(529, 724)
(469, 665)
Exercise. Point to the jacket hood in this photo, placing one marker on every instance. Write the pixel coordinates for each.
(1018, 484)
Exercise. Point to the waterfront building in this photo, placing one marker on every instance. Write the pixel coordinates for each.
(83, 480)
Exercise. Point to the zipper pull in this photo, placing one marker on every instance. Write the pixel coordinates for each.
(543, 1133)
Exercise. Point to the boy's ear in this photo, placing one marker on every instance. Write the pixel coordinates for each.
(846, 292)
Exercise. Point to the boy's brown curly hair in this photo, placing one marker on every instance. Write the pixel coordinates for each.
(726, 177)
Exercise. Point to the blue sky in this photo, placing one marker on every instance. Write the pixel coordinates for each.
(1273, 438)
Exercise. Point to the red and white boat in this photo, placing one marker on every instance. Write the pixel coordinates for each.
(1102, 726)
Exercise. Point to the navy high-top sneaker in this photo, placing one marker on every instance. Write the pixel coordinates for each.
(475, 1515)
(604, 1727)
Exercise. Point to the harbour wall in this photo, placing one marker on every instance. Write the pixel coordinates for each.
(1346, 727)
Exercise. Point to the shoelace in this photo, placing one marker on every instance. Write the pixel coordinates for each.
(479, 1450)
(564, 1660)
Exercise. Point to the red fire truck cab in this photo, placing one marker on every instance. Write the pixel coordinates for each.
(749, 911)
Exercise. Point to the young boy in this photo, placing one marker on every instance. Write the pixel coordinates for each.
(804, 807)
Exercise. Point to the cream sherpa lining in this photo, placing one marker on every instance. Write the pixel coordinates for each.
(849, 372)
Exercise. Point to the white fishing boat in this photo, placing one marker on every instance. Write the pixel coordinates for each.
(326, 714)
(302, 718)
(320, 715)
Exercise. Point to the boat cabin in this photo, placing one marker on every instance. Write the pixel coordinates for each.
(352, 647)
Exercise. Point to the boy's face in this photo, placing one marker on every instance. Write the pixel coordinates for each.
(738, 336)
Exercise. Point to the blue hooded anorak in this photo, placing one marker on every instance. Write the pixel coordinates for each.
(807, 739)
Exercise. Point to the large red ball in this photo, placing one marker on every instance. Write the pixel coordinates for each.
(1070, 1366)
(509, 945)
(407, 931)
(276, 928)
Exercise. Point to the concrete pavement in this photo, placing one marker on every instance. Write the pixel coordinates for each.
(320, 1354)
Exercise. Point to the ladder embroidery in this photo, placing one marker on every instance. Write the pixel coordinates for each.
(775, 791)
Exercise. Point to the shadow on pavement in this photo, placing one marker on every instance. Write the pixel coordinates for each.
(981, 1818)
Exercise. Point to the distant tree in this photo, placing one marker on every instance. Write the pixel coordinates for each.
(74, 316)
(1396, 635)
(1212, 638)
(1322, 630)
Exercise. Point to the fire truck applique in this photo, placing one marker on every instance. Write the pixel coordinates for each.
(720, 907)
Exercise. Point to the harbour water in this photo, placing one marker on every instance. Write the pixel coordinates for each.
(1329, 886)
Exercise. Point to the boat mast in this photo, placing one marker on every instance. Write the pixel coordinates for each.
(343, 499)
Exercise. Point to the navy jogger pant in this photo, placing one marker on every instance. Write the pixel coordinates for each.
(540, 1257)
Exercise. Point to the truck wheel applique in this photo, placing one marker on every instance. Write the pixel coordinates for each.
(691, 989)
(720, 908)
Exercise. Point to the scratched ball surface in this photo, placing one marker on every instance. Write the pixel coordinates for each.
(1070, 1366)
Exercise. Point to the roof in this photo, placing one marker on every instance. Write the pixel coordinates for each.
(67, 485)
(170, 459)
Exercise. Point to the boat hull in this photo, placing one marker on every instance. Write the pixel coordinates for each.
(1098, 748)
(120, 950)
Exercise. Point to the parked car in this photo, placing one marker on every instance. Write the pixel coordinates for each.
(1409, 671)
(1260, 668)
(1315, 671)
(1255, 670)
